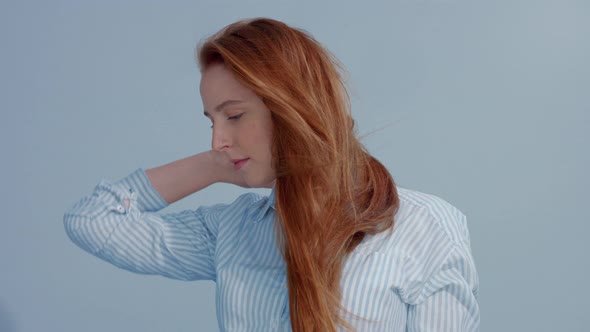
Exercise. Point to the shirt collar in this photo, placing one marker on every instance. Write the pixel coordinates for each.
(266, 205)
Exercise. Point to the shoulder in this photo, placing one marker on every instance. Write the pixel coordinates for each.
(433, 238)
(244, 200)
(418, 209)
(428, 247)
(247, 205)
(422, 224)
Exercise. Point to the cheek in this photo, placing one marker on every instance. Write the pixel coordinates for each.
(266, 132)
(256, 136)
(261, 146)
(265, 137)
(260, 142)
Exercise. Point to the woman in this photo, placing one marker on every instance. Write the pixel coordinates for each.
(336, 245)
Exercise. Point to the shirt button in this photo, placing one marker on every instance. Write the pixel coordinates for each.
(120, 208)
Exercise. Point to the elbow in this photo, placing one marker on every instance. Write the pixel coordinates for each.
(72, 226)
(69, 222)
(79, 231)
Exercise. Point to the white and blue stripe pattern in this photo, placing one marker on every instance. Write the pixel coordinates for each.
(420, 277)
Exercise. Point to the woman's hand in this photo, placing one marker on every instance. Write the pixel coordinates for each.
(224, 170)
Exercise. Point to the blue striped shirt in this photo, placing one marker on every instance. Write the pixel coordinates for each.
(420, 277)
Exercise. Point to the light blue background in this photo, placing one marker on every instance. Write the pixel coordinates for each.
(487, 104)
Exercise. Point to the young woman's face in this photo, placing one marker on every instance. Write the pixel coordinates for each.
(241, 123)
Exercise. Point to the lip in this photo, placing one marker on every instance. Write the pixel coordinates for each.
(239, 163)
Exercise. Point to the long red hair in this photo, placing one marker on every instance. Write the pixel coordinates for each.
(330, 192)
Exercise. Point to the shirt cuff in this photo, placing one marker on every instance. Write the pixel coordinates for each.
(138, 186)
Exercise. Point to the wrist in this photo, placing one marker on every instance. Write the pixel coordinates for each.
(217, 167)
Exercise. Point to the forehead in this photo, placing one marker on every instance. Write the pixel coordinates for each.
(219, 84)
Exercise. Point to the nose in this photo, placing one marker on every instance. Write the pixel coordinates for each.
(220, 139)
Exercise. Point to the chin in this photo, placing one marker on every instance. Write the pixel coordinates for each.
(261, 183)
(268, 185)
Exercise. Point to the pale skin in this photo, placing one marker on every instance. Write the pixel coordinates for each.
(240, 147)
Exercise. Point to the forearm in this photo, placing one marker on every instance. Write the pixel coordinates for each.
(183, 177)
(138, 238)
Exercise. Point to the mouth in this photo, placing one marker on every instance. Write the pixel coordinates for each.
(239, 163)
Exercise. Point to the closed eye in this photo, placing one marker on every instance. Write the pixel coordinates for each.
(235, 117)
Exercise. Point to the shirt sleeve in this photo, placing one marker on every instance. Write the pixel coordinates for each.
(441, 287)
(448, 300)
(177, 245)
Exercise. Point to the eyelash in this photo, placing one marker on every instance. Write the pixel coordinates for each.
(235, 117)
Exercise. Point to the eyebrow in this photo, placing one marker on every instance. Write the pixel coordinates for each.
(223, 105)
